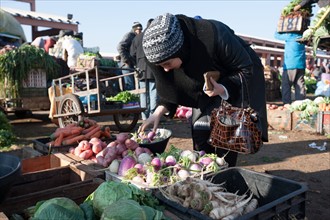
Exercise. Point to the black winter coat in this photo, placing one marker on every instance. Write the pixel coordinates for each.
(212, 45)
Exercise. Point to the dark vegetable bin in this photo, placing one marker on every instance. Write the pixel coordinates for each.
(10, 169)
(159, 146)
(277, 197)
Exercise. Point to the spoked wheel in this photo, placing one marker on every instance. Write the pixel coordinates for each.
(126, 122)
(72, 108)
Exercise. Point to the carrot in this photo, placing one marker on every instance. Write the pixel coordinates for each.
(74, 140)
(58, 140)
(96, 134)
(86, 130)
(89, 135)
(66, 132)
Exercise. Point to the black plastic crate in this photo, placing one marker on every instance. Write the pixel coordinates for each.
(278, 198)
(41, 146)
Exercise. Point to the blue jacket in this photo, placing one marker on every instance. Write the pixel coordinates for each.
(294, 52)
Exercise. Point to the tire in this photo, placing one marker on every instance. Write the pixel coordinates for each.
(126, 122)
(70, 103)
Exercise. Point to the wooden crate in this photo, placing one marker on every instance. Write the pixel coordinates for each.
(45, 162)
(279, 119)
(294, 22)
(299, 124)
(323, 119)
(77, 191)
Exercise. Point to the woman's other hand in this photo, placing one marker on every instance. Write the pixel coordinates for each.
(218, 89)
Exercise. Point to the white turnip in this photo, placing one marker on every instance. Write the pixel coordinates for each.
(114, 166)
(144, 158)
(170, 160)
(183, 174)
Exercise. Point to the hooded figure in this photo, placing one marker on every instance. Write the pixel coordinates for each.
(179, 50)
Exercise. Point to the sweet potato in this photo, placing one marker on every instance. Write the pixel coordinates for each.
(86, 154)
(92, 132)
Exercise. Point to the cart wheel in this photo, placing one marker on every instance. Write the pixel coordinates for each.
(69, 104)
(126, 122)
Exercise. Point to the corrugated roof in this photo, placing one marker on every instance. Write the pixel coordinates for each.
(39, 16)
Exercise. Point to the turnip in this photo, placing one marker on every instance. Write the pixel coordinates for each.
(127, 163)
(121, 137)
(220, 161)
(140, 168)
(205, 161)
(114, 166)
(189, 154)
(201, 153)
(156, 163)
(144, 158)
(138, 179)
(183, 174)
(148, 151)
(131, 144)
(151, 135)
(195, 168)
(138, 151)
(170, 160)
(121, 148)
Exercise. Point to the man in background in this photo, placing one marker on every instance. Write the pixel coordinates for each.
(127, 61)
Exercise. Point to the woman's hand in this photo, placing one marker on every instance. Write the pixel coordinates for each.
(153, 119)
(218, 89)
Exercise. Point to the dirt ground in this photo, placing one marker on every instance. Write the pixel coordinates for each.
(287, 154)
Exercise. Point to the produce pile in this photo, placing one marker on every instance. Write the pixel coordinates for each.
(140, 166)
(87, 135)
(111, 200)
(210, 199)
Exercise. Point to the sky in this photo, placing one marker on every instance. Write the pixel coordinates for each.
(105, 22)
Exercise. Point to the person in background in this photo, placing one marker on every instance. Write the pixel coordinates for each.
(72, 49)
(179, 50)
(148, 100)
(293, 67)
(127, 61)
(198, 17)
(320, 3)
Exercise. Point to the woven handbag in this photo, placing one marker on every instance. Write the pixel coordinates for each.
(236, 128)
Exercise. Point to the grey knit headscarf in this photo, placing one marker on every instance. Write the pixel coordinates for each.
(162, 38)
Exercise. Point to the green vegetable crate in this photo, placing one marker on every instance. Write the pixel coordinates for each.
(278, 198)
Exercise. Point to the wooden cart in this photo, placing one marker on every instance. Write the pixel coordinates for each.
(69, 97)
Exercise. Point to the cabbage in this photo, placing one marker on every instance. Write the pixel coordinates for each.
(58, 208)
(107, 193)
(110, 191)
(130, 209)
